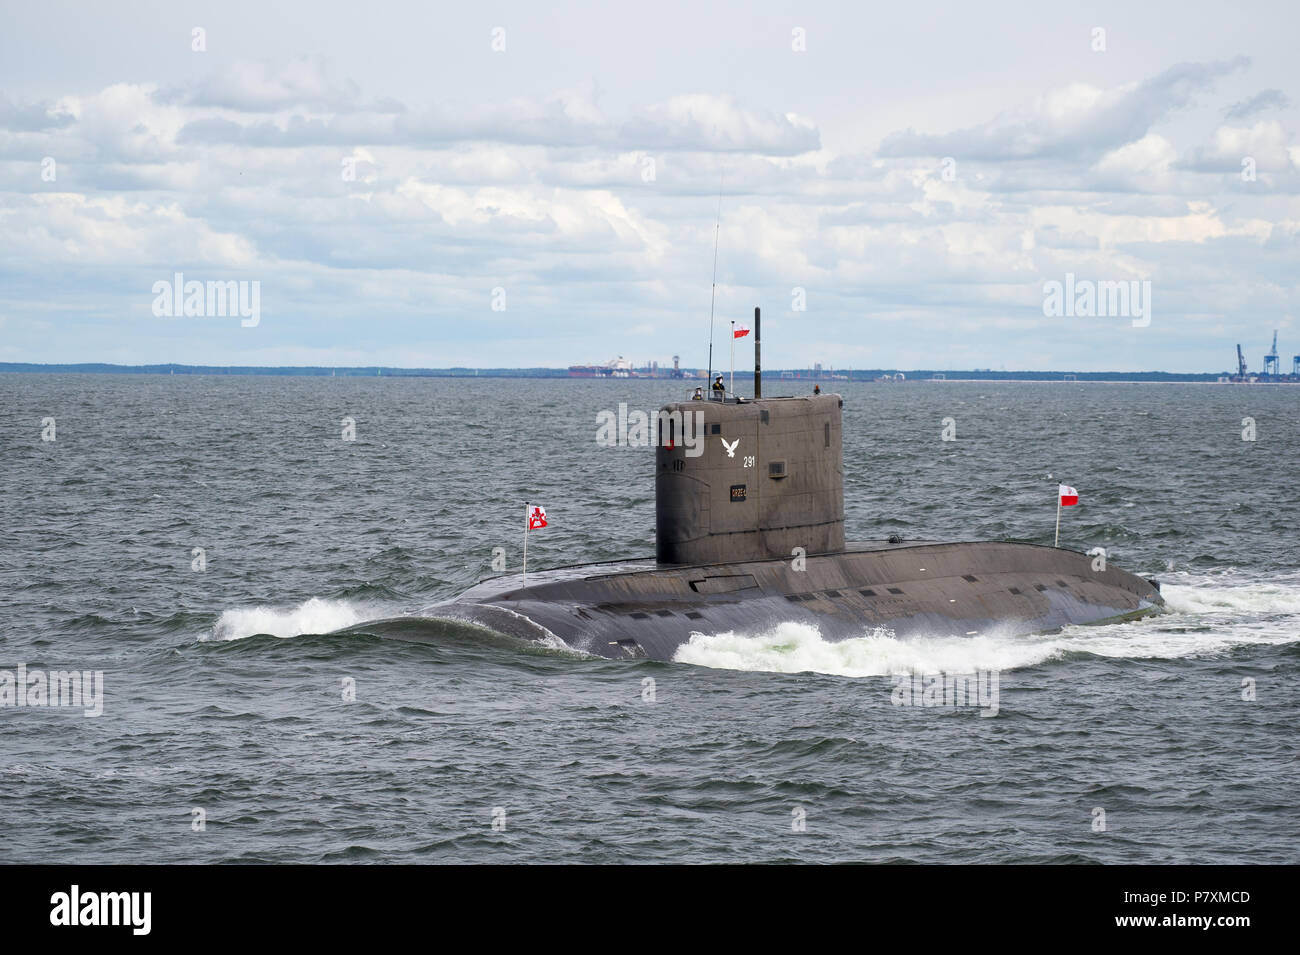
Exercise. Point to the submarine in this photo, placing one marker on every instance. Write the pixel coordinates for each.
(749, 533)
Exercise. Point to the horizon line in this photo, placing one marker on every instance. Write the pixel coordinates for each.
(549, 371)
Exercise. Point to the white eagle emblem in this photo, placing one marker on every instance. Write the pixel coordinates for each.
(731, 448)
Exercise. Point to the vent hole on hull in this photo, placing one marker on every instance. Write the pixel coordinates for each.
(893, 590)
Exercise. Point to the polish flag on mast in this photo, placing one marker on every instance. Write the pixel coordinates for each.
(1066, 496)
(737, 331)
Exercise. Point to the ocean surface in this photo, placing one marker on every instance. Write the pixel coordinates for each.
(217, 550)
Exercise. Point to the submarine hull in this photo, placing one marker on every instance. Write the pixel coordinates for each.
(647, 610)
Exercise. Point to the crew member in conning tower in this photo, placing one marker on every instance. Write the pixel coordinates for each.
(719, 389)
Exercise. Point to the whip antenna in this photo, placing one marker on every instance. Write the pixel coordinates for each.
(714, 292)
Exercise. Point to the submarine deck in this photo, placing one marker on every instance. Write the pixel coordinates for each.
(641, 608)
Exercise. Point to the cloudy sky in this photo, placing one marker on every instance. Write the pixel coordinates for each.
(388, 172)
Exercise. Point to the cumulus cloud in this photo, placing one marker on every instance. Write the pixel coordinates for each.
(697, 122)
(1265, 143)
(1265, 99)
(115, 230)
(1141, 166)
(29, 117)
(720, 124)
(1076, 121)
(259, 87)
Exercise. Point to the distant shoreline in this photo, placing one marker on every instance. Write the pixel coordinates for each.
(771, 375)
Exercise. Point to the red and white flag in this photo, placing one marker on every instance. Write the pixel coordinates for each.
(740, 331)
(1069, 496)
(536, 517)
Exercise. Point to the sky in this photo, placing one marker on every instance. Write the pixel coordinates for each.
(522, 184)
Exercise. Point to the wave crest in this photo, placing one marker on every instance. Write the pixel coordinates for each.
(316, 615)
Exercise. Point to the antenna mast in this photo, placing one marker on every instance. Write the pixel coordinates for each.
(714, 292)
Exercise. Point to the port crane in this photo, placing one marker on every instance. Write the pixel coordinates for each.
(1271, 359)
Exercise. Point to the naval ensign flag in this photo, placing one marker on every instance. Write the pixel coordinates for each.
(535, 518)
(1066, 496)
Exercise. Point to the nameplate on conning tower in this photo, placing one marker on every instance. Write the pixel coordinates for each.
(737, 493)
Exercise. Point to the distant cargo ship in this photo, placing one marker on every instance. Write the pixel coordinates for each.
(614, 368)
(621, 367)
(618, 367)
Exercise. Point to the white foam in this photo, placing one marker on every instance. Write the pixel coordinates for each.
(799, 648)
(1209, 616)
(1186, 593)
(312, 616)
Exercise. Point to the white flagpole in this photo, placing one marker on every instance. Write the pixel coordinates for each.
(733, 358)
(525, 580)
(1058, 517)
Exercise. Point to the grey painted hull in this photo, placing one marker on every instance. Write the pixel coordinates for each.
(641, 609)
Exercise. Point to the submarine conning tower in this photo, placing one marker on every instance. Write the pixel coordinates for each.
(762, 477)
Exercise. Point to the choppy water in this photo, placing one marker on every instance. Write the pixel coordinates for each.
(224, 688)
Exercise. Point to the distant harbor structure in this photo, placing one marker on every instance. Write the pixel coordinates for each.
(1270, 374)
